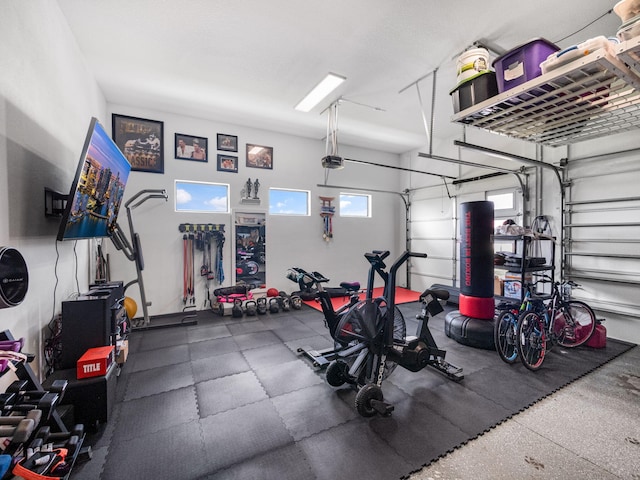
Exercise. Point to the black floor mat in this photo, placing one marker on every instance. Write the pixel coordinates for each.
(232, 399)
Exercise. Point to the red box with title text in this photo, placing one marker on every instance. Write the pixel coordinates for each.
(94, 362)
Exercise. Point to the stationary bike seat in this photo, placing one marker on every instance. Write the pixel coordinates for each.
(350, 286)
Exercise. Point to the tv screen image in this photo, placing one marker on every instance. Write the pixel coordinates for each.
(97, 189)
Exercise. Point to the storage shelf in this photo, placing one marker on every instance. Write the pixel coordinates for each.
(594, 96)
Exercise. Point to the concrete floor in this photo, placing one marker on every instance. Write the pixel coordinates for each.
(588, 430)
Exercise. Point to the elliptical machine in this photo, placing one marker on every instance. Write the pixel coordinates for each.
(373, 341)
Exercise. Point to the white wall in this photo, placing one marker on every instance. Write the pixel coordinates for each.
(291, 241)
(47, 96)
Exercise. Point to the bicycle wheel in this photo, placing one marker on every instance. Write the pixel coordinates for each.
(576, 322)
(505, 335)
(532, 340)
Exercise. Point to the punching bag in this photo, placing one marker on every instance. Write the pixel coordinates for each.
(476, 260)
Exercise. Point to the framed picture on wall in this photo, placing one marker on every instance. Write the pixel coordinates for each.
(189, 147)
(227, 163)
(259, 156)
(141, 141)
(228, 143)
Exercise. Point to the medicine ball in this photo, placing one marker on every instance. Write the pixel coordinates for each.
(130, 306)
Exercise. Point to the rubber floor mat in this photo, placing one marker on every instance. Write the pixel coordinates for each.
(246, 405)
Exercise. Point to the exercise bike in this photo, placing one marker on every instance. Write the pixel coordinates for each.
(313, 281)
(373, 340)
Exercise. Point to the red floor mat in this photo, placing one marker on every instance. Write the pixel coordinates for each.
(403, 295)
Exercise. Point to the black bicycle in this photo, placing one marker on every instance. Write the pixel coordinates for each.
(557, 320)
(542, 322)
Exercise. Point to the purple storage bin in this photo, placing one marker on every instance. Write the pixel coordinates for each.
(521, 64)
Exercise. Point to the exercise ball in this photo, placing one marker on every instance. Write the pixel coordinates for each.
(273, 292)
(130, 306)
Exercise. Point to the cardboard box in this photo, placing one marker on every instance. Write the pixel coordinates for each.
(123, 351)
(95, 362)
(497, 286)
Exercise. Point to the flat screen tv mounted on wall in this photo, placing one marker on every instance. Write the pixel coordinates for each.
(97, 189)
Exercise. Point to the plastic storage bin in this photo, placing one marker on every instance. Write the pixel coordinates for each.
(474, 90)
(629, 29)
(627, 9)
(522, 63)
(557, 59)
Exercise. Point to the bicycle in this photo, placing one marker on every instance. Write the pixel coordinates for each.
(546, 322)
(505, 332)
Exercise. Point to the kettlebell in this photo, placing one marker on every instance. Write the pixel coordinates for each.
(236, 311)
(284, 303)
(274, 306)
(217, 308)
(296, 302)
(251, 308)
(262, 305)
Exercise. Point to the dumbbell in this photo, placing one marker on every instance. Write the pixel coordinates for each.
(47, 436)
(20, 435)
(46, 403)
(45, 440)
(12, 424)
(13, 420)
(19, 387)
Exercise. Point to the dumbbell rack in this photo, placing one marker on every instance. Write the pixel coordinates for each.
(24, 372)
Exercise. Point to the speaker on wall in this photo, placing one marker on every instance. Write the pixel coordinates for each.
(14, 277)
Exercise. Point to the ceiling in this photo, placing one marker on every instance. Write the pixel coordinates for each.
(249, 62)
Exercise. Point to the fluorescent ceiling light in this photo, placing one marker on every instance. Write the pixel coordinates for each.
(320, 91)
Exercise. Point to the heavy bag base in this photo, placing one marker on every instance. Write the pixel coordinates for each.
(469, 331)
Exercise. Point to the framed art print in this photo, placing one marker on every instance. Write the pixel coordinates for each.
(227, 143)
(259, 156)
(141, 141)
(227, 163)
(189, 147)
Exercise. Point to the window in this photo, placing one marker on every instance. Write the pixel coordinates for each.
(502, 201)
(355, 205)
(283, 201)
(201, 197)
(506, 204)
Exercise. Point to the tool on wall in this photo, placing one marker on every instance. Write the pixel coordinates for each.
(201, 237)
(326, 212)
(188, 294)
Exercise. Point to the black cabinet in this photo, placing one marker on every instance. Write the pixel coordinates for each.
(92, 398)
(89, 321)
